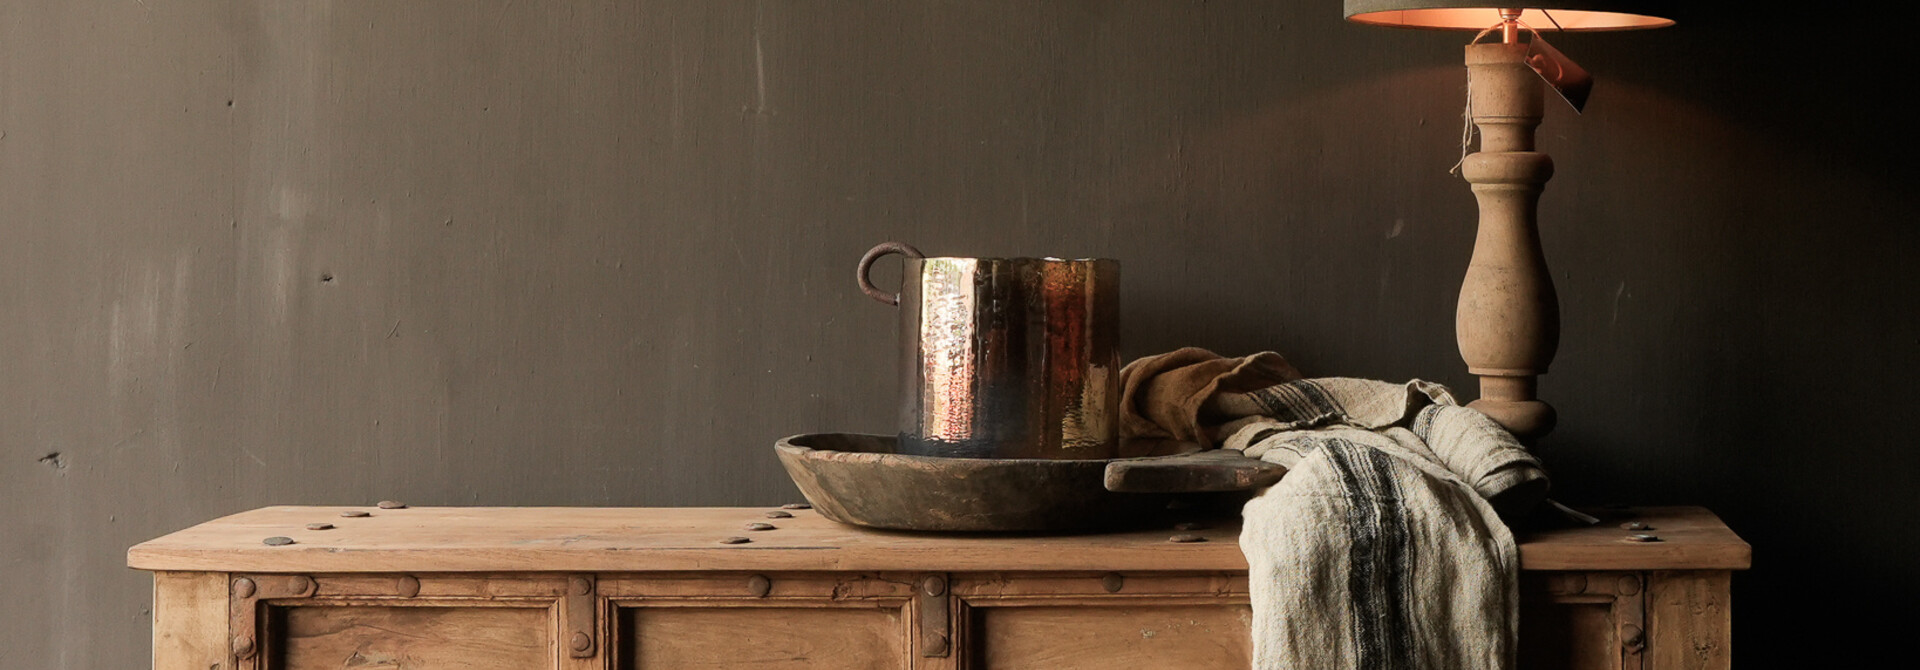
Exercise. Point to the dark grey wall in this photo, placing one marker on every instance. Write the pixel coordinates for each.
(599, 253)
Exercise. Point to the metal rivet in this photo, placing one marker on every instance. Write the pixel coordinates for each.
(1629, 585)
(1113, 582)
(1635, 525)
(1190, 525)
(734, 540)
(244, 588)
(937, 644)
(277, 541)
(581, 586)
(390, 504)
(797, 506)
(777, 514)
(302, 585)
(407, 585)
(319, 526)
(1643, 538)
(243, 646)
(356, 513)
(1186, 537)
(933, 585)
(760, 525)
(759, 586)
(582, 642)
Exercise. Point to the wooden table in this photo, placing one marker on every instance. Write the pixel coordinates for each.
(657, 588)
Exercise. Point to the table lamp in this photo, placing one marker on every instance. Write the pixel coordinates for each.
(1508, 321)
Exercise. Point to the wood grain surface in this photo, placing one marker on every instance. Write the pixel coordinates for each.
(475, 638)
(1693, 622)
(190, 624)
(801, 638)
(1113, 636)
(453, 539)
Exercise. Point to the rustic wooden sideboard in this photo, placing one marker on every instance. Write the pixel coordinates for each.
(577, 588)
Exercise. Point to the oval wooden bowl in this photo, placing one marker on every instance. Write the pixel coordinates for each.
(859, 480)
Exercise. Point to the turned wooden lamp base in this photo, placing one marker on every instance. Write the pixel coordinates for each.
(1519, 412)
(1509, 318)
(1508, 323)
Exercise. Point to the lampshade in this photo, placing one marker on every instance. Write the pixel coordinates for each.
(1569, 15)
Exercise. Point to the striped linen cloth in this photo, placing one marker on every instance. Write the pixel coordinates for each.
(1382, 548)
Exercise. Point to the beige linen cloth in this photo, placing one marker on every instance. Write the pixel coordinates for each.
(1381, 549)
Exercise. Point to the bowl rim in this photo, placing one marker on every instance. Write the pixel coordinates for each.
(786, 445)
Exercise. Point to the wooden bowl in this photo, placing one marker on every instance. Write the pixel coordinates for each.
(860, 480)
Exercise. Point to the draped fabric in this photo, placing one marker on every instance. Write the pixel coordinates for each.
(1382, 548)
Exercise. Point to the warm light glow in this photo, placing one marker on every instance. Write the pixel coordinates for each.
(1481, 19)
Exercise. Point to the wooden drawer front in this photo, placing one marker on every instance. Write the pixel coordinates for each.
(775, 638)
(1583, 621)
(478, 638)
(1068, 621)
(420, 622)
(1569, 636)
(1108, 637)
(765, 620)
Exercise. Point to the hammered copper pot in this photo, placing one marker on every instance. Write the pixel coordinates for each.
(1006, 357)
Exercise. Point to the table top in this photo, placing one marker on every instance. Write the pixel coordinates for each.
(645, 539)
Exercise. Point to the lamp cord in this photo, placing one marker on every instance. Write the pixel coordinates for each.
(1556, 22)
(1467, 130)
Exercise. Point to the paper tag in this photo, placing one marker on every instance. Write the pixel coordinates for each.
(1567, 78)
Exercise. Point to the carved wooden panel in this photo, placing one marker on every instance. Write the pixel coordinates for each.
(368, 637)
(485, 621)
(1571, 620)
(1068, 621)
(1582, 621)
(1105, 637)
(775, 638)
(1567, 636)
(760, 620)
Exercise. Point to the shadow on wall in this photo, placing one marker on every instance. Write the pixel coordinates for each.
(1741, 344)
(1747, 317)
(1731, 245)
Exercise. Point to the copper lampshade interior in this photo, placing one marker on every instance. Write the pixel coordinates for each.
(1479, 18)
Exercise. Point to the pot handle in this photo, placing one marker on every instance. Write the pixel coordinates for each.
(874, 254)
